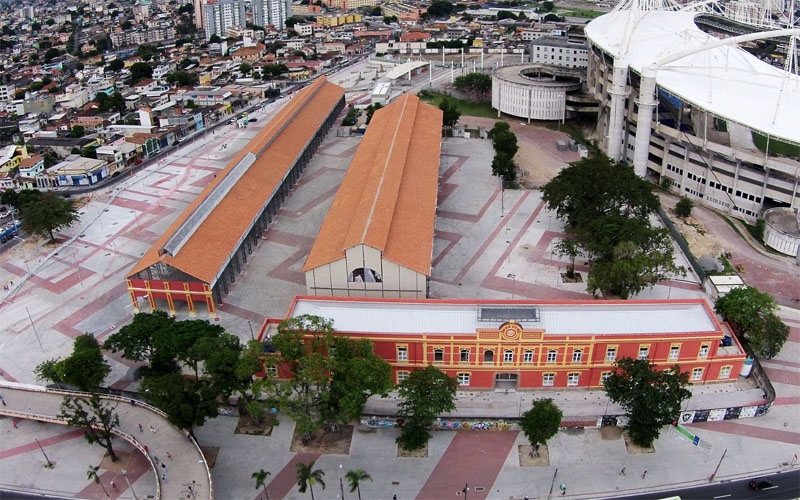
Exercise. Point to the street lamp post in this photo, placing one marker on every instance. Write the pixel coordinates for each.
(513, 284)
(465, 491)
(125, 475)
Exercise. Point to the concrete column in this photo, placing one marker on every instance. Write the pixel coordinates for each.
(647, 103)
(616, 119)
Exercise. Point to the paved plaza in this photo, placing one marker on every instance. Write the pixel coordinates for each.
(489, 243)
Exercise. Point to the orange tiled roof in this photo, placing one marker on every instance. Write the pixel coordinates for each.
(211, 244)
(387, 199)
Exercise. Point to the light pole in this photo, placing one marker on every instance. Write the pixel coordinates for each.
(125, 475)
(513, 284)
(465, 491)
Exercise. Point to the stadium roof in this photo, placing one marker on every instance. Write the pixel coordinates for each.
(452, 317)
(727, 81)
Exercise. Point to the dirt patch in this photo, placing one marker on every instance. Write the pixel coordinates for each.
(324, 442)
(119, 465)
(576, 278)
(210, 454)
(528, 459)
(700, 242)
(420, 453)
(610, 432)
(248, 425)
(635, 449)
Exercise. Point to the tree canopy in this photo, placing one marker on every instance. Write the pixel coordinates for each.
(424, 395)
(607, 207)
(505, 146)
(450, 113)
(478, 85)
(331, 376)
(651, 396)
(50, 213)
(85, 369)
(752, 314)
(541, 422)
(190, 364)
(440, 8)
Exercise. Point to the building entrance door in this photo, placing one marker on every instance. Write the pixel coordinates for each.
(506, 381)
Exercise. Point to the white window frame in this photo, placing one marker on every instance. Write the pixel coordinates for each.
(402, 353)
(644, 352)
(463, 379)
(527, 356)
(725, 372)
(272, 371)
(577, 355)
(697, 374)
(461, 356)
(611, 354)
(508, 356)
(548, 379)
(674, 352)
(573, 379)
(402, 375)
(703, 351)
(604, 376)
(552, 356)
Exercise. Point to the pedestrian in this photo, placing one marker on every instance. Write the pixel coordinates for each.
(14, 423)
(3, 399)
(394, 497)
(152, 429)
(164, 478)
(155, 459)
(622, 472)
(644, 474)
(164, 467)
(141, 429)
(113, 486)
(169, 455)
(145, 448)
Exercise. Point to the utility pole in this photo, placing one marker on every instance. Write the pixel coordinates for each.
(341, 487)
(720, 463)
(125, 475)
(465, 491)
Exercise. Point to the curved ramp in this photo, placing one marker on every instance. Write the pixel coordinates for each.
(186, 465)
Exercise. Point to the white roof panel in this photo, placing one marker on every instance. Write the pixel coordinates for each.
(727, 81)
(565, 318)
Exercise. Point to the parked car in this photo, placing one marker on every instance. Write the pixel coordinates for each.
(760, 483)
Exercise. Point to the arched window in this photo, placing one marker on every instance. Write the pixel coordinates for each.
(364, 275)
(488, 356)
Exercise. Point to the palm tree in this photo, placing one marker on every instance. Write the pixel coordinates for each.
(260, 478)
(92, 474)
(354, 477)
(306, 477)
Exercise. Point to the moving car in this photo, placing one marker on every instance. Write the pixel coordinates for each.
(760, 483)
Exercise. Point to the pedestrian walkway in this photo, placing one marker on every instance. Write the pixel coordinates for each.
(141, 425)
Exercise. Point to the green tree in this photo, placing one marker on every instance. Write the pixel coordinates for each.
(541, 422)
(182, 78)
(371, 109)
(752, 314)
(115, 65)
(147, 338)
(440, 8)
(141, 71)
(332, 376)
(596, 186)
(245, 68)
(85, 368)
(450, 113)
(548, 6)
(260, 478)
(503, 166)
(424, 395)
(214, 38)
(77, 131)
(92, 474)
(684, 207)
(650, 396)
(97, 418)
(50, 213)
(51, 54)
(634, 265)
(307, 477)
(568, 247)
(355, 477)
(478, 85)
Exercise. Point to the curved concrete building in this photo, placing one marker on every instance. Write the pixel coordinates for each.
(782, 232)
(535, 92)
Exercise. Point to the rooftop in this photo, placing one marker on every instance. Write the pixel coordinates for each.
(454, 317)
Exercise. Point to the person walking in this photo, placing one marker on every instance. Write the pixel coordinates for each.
(622, 472)
(169, 455)
(141, 429)
(152, 429)
(3, 399)
(163, 467)
(164, 478)
(644, 474)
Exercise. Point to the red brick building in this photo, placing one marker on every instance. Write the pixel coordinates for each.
(526, 344)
